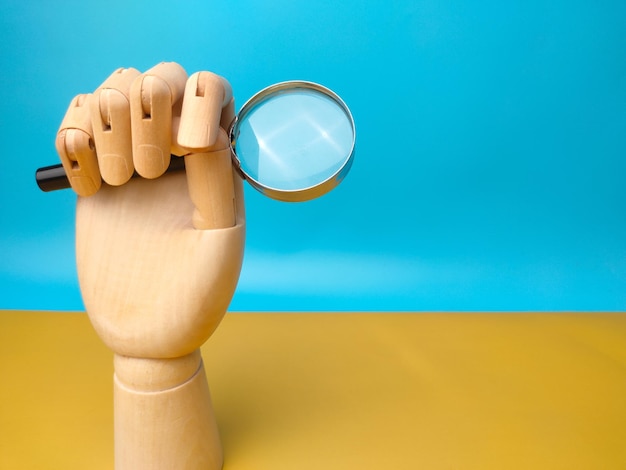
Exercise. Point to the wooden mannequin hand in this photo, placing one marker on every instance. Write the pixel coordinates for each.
(158, 257)
(154, 285)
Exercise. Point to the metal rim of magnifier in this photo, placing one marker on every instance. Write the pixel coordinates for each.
(302, 194)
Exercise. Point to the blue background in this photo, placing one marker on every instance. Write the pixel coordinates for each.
(491, 151)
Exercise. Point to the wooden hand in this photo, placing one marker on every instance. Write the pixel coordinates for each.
(158, 257)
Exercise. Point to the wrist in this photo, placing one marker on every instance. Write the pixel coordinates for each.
(156, 374)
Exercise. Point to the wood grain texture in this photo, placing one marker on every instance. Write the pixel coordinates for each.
(110, 119)
(155, 288)
(158, 257)
(153, 96)
(166, 420)
(153, 285)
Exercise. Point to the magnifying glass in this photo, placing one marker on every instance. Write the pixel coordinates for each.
(292, 141)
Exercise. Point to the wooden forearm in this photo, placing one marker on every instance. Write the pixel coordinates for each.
(163, 415)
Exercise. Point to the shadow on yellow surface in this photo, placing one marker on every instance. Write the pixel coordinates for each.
(343, 391)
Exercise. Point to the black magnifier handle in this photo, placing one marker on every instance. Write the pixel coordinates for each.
(51, 178)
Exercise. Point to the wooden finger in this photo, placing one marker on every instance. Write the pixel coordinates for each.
(152, 96)
(110, 118)
(205, 95)
(75, 146)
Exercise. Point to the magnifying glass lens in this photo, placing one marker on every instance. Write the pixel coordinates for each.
(293, 139)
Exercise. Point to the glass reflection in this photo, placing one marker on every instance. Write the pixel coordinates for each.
(294, 140)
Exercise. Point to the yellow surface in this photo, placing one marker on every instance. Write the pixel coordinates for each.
(344, 391)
